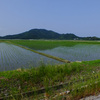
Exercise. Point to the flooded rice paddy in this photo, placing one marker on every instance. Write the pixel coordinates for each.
(13, 57)
(79, 52)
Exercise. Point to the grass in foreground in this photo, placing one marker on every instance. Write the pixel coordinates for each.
(78, 74)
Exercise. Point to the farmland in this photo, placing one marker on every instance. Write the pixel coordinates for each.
(69, 50)
(82, 52)
(82, 78)
(14, 57)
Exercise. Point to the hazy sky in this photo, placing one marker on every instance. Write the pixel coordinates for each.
(81, 17)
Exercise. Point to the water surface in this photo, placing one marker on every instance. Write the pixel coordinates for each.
(13, 57)
(79, 52)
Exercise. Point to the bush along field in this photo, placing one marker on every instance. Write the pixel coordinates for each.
(68, 81)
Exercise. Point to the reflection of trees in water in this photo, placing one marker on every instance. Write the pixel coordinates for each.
(81, 52)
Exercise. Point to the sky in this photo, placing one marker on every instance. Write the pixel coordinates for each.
(81, 17)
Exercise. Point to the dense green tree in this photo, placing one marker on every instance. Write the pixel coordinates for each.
(47, 34)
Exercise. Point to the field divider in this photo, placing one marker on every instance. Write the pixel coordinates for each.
(47, 55)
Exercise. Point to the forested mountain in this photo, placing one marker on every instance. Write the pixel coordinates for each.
(35, 34)
(46, 34)
(40, 34)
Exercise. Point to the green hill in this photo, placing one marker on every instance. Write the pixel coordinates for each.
(40, 34)
(46, 34)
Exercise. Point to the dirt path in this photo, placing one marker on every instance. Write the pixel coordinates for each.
(92, 98)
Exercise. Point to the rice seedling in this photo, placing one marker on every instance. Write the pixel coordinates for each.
(13, 57)
(63, 81)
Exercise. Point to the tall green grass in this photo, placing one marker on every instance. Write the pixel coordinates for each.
(24, 80)
(79, 74)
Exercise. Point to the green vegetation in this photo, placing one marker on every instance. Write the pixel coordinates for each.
(50, 44)
(47, 55)
(43, 44)
(47, 34)
(14, 57)
(41, 34)
(22, 80)
(82, 78)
